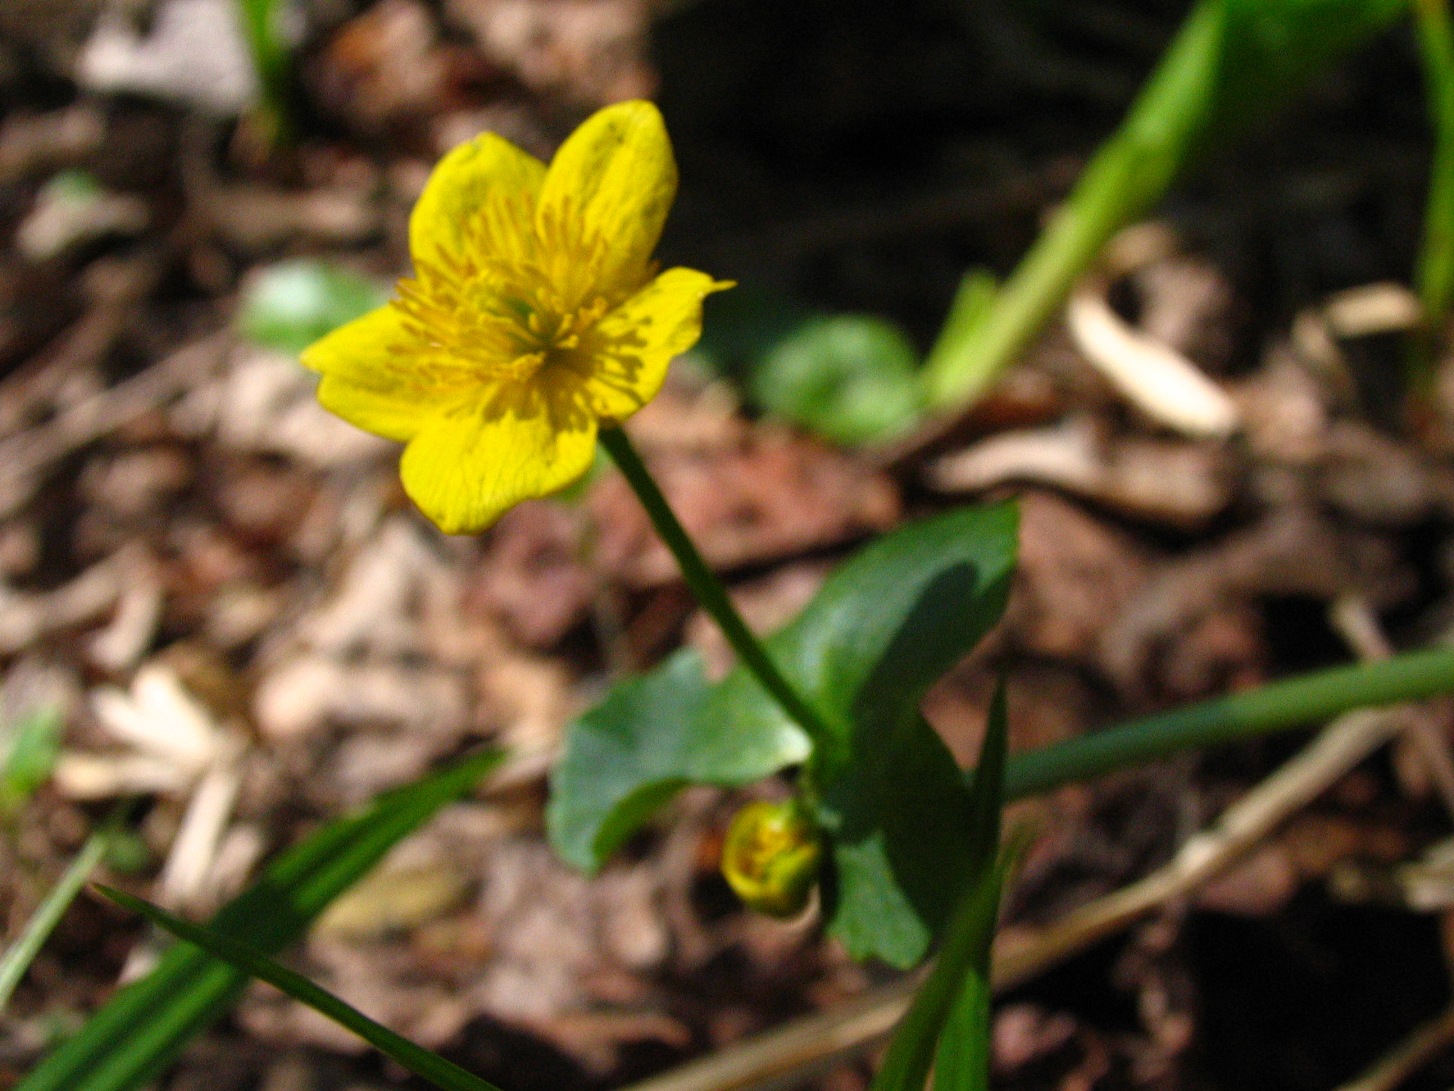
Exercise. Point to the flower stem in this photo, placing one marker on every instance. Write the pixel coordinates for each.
(707, 588)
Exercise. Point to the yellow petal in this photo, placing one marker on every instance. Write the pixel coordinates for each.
(469, 465)
(611, 185)
(379, 376)
(630, 348)
(485, 171)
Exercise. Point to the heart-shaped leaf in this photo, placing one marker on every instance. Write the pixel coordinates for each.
(879, 633)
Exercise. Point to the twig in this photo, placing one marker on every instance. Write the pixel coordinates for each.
(1410, 1055)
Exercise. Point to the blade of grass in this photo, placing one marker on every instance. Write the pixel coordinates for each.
(1279, 706)
(262, 23)
(1434, 278)
(143, 1027)
(962, 966)
(418, 1060)
(20, 954)
(1128, 173)
(962, 1061)
(1230, 63)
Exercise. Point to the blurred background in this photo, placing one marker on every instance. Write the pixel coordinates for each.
(215, 598)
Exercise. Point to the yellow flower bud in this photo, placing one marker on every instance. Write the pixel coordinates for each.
(771, 857)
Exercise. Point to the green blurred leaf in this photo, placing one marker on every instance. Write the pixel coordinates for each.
(143, 1027)
(850, 378)
(742, 326)
(422, 1062)
(1434, 274)
(290, 305)
(1271, 48)
(957, 989)
(881, 631)
(28, 752)
(264, 23)
(127, 852)
(1233, 64)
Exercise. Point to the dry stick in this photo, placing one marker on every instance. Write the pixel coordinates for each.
(1357, 624)
(1410, 1055)
(808, 1046)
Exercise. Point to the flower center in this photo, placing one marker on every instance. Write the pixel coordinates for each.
(517, 298)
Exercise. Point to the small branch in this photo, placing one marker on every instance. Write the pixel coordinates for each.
(1408, 1056)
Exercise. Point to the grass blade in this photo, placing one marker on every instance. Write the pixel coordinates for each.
(1434, 278)
(422, 1062)
(20, 954)
(143, 1027)
(1278, 706)
(262, 24)
(962, 967)
(1230, 63)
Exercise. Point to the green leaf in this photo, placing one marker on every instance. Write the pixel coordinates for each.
(290, 305)
(1272, 47)
(743, 326)
(1234, 63)
(28, 752)
(264, 23)
(958, 986)
(896, 826)
(1434, 274)
(850, 378)
(422, 1062)
(633, 752)
(143, 1027)
(881, 631)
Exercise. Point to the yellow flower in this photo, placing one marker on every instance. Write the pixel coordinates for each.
(535, 317)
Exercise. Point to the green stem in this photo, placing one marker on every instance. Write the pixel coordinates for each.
(48, 914)
(707, 588)
(1124, 179)
(1230, 64)
(1280, 706)
(1435, 276)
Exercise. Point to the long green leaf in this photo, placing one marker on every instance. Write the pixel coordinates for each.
(1279, 706)
(963, 963)
(20, 954)
(422, 1062)
(262, 25)
(143, 1027)
(1434, 277)
(1233, 62)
